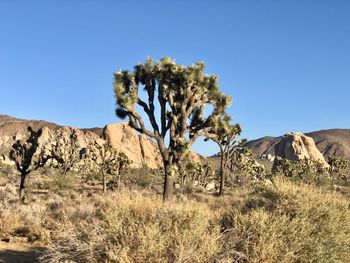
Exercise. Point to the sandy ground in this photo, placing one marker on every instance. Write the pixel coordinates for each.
(19, 253)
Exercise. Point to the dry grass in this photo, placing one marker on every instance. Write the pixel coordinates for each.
(288, 222)
(280, 222)
(129, 227)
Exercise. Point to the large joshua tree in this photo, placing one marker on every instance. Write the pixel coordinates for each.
(175, 99)
(224, 134)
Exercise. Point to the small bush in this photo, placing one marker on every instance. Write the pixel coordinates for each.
(62, 182)
(5, 169)
(143, 177)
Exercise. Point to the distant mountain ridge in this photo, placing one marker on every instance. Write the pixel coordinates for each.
(329, 142)
(10, 125)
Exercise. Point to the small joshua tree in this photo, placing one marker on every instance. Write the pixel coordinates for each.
(176, 103)
(207, 173)
(188, 170)
(244, 166)
(195, 172)
(123, 164)
(24, 154)
(67, 154)
(338, 167)
(224, 135)
(107, 160)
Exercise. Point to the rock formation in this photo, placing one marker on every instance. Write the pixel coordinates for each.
(329, 142)
(138, 148)
(296, 146)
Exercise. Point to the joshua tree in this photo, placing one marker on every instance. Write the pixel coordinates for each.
(123, 164)
(208, 172)
(24, 154)
(175, 101)
(67, 153)
(242, 162)
(337, 164)
(224, 135)
(188, 170)
(107, 160)
(195, 172)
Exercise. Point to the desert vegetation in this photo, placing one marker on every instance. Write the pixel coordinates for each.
(89, 203)
(282, 220)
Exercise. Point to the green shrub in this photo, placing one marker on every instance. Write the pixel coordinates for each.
(62, 182)
(143, 177)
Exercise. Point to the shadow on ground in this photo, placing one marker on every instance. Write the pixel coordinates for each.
(13, 256)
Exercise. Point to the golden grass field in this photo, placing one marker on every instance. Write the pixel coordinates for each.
(282, 221)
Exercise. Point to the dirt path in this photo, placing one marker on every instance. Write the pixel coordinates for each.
(19, 253)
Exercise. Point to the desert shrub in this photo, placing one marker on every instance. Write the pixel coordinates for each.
(280, 221)
(133, 228)
(142, 177)
(5, 169)
(62, 182)
(22, 220)
(188, 188)
(287, 222)
(339, 170)
(91, 177)
(305, 170)
(190, 172)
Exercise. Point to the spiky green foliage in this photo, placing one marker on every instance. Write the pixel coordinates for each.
(338, 165)
(178, 96)
(194, 173)
(223, 132)
(305, 169)
(339, 170)
(243, 167)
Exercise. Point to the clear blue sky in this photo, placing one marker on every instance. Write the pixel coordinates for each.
(285, 63)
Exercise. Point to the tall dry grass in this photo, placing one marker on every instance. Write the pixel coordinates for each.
(134, 228)
(289, 222)
(280, 222)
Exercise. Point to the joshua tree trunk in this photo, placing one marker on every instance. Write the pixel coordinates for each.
(104, 181)
(22, 185)
(118, 178)
(222, 173)
(167, 181)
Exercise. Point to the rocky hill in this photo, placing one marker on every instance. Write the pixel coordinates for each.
(140, 149)
(329, 142)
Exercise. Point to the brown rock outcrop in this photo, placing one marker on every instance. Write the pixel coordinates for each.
(296, 146)
(63, 136)
(139, 149)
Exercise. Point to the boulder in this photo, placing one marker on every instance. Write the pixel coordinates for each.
(210, 186)
(138, 148)
(296, 146)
